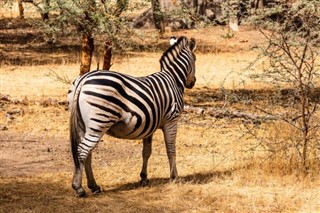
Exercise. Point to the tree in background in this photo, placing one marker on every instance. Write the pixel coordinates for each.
(292, 64)
(41, 5)
(20, 9)
(93, 20)
(121, 5)
(258, 3)
(158, 15)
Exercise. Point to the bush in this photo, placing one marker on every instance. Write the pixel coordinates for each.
(291, 60)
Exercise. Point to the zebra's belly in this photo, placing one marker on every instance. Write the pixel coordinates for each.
(127, 129)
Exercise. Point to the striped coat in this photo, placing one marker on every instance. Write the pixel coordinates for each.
(106, 102)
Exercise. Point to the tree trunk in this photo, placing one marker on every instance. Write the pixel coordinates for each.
(260, 4)
(21, 10)
(158, 15)
(87, 47)
(107, 55)
(45, 14)
(200, 6)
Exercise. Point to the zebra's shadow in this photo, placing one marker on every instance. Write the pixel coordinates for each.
(197, 178)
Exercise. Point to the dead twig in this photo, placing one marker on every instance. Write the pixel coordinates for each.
(225, 113)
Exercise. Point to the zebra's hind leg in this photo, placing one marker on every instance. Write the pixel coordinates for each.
(92, 185)
(77, 181)
(87, 144)
(146, 152)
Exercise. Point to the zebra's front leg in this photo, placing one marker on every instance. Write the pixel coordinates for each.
(146, 153)
(170, 132)
(92, 185)
(172, 162)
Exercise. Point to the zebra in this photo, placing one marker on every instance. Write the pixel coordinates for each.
(107, 102)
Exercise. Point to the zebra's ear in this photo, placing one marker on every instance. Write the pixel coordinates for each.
(192, 44)
(173, 40)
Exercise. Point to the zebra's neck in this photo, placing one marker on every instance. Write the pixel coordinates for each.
(167, 94)
(178, 77)
(169, 78)
(165, 83)
(174, 62)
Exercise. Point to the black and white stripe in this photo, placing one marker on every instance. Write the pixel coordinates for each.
(106, 102)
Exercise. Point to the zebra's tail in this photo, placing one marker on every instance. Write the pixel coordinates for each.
(76, 130)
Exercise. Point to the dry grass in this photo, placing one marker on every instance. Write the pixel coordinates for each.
(220, 194)
(213, 71)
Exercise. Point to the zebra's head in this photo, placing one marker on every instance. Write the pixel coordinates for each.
(191, 78)
(179, 60)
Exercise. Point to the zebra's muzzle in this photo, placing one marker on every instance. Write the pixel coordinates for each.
(191, 84)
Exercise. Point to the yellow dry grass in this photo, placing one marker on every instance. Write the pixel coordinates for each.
(213, 71)
(219, 194)
(219, 172)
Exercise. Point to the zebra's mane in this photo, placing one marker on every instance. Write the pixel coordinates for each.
(173, 52)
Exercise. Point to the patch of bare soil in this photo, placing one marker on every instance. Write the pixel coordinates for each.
(24, 154)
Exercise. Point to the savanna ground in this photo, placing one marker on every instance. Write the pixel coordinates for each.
(220, 167)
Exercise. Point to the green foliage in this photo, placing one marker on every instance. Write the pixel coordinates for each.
(184, 13)
(229, 10)
(100, 19)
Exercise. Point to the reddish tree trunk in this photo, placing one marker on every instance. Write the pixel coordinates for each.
(20, 8)
(87, 47)
(107, 55)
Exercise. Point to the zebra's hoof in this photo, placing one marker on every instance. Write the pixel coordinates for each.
(79, 190)
(144, 182)
(174, 180)
(96, 190)
(81, 193)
